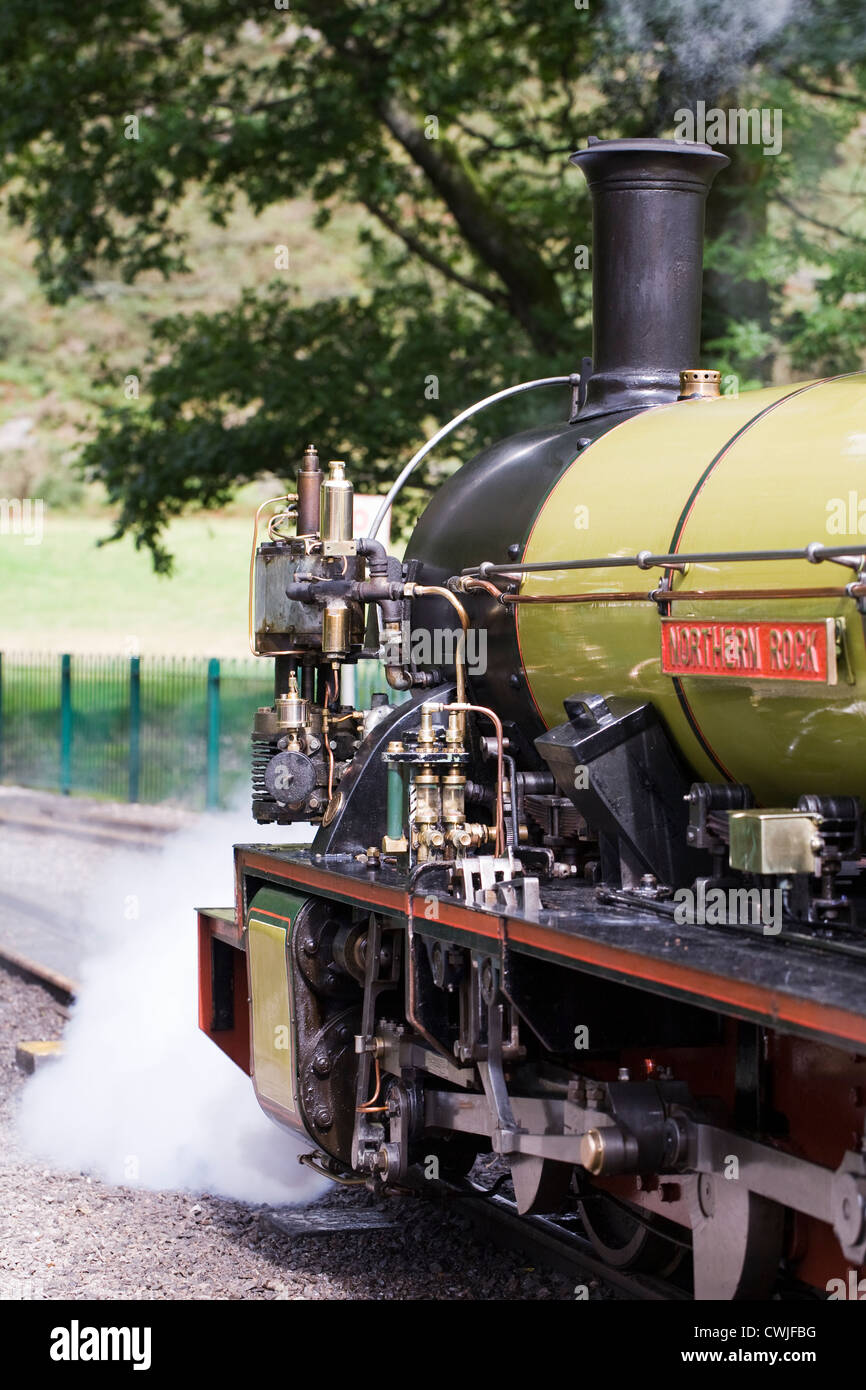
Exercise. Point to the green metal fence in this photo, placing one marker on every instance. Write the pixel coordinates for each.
(135, 728)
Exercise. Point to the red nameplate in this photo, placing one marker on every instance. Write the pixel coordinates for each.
(777, 651)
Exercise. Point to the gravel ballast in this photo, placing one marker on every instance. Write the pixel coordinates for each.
(68, 1235)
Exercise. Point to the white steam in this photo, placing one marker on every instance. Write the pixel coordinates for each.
(711, 47)
(141, 1097)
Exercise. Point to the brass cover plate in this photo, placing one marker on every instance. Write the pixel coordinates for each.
(273, 1033)
(773, 842)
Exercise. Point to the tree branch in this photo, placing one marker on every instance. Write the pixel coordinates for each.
(529, 143)
(858, 100)
(533, 294)
(432, 258)
(816, 221)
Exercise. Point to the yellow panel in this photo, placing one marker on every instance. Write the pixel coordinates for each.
(273, 1044)
(718, 475)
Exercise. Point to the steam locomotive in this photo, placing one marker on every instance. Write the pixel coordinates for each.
(587, 887)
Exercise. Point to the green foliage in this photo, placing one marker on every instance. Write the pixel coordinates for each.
(448, 126)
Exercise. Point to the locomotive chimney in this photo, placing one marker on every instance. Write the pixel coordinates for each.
(648, 201)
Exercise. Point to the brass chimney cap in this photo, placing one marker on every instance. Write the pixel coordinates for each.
(695, 382)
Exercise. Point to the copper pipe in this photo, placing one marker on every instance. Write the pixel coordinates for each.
(370, 1107)
(327, 721)
(277, 520)
(329, 750)
(472, 582)
(460, 655)
(500, 740)
(692, 595)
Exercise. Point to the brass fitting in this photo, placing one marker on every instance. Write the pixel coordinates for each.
(453, 798)
(428, 798)
(454, 732)
(592, 1151)
(429, 836)
(478, 834)
(426, 730)
(336, 628)
(460, 837)
(697, 383)
(291, 709)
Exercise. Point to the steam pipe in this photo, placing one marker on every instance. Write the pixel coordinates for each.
(381, 565)
(413, 590)
(572, 380)
(386, 572)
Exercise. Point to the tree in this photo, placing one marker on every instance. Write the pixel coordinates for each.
(449, 124)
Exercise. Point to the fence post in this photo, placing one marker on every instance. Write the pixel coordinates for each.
(134, 725)
(65, 723)
(213, 734)
(1, 716)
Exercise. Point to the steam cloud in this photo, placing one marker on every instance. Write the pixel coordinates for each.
(141, 1097)
(711, 48)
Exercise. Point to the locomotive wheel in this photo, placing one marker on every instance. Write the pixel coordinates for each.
(737, 1240)
(623, 1241)
(539, 1184)
(456, 1153)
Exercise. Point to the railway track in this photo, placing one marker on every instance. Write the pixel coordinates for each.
(59, 986)
(551, 1242)
(55, 854)
(122, 833)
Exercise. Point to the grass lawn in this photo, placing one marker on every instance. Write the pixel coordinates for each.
(68, 594)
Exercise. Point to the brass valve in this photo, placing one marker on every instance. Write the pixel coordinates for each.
(291, 709)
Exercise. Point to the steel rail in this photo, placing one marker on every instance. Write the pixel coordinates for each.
(547, 1240)
(59, 986)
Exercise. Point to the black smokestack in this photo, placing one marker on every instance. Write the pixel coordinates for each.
(648, 201)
